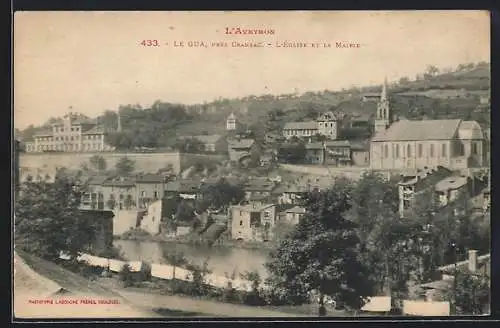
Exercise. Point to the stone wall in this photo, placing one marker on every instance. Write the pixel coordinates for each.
(144, 162)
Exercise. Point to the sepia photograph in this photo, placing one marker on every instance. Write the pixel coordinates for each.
(251, 164)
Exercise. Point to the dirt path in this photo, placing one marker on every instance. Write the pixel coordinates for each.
(209, 308)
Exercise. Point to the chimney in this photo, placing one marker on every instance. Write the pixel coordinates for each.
(472, 261)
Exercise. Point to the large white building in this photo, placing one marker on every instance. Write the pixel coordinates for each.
(72, 133)
(405, 144)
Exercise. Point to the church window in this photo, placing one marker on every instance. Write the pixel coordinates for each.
(386, 151)
(461, 150)
(420, 150)
(408, 151)
(397, 151)
(443, 150)
(432, 150)
(474, 149)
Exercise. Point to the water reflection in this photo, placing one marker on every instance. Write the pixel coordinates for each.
(221, 260)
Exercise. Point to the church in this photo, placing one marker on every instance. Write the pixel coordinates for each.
(408, 144)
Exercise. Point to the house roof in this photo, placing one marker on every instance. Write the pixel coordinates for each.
(183, 186)
(43, 133)
(97, 180)
(95, 130)
(426, 178)
(253, 207)
(314, 145)
(310, 125)
(259, 184)
(469, 130)
(206, 139)
(119, 182)
(150, 178)
(242, 143)
(360, 146)
(337, 143)
(296, 209)
(406, 130)
(451, 183)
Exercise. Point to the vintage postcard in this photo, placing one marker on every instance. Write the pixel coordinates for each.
(258, 164)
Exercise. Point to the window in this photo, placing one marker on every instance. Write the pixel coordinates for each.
(443, 150)
(153, 219)
(432, 150)
(420, 150)
(397, 151)
(241, 222)
(461, 150)
(156, 194)
(143, 193)
(474, 148)
(386, 151)
(408, 151)
(121, 196)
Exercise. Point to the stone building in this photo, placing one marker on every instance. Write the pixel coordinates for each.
(253, 222)
(405, 144)
(72, 133)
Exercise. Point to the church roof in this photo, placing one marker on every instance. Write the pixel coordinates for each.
(406, 130)
(470, 130)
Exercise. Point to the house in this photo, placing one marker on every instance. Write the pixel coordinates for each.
(253, 222)
(150, 187)
(371, 96)
(360, 153)
(337, 153)
(449, 188)
(413, 184)
(119, 192)
(183, 188)
(293, 215)
(239, 149)
(94, 197)
(405, 144)
(315, 153)
(153, 217)
(328, 124)
(258, 189)
(214, 143)
(72, 133)
(479, 266)
(293, 192)
(268, 157)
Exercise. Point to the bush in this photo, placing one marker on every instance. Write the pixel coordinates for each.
(126, 276)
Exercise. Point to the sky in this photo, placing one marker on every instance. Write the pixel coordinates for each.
(93, 61)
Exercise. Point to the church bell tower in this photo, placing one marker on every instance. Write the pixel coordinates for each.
(384, 117)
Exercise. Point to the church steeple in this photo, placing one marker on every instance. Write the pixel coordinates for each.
(384, 116)
(119, 123)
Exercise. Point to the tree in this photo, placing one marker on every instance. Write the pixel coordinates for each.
(47, 219)
(321, 255)
(471, 294)
(432, 70)
(98, 163)
(125, 166)
(404, 80)
(175, 259)
(128, 202)
(292, 152)
(111, 203)
(219, 196)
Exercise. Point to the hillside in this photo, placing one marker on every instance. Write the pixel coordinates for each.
(431, 95)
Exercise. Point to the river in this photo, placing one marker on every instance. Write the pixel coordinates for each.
(221, 260)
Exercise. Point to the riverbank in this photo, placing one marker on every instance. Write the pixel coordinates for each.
(185, 241)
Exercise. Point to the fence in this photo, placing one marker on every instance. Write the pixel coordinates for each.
(423, 308)
(161, 271)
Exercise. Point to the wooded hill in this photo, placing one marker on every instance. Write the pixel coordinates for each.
(458, 93)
